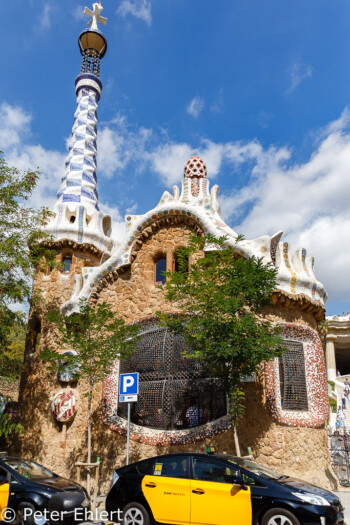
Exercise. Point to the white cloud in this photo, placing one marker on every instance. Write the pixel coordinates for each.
(297, 73)
(308, 201)
(218, 104)
(195, 107)
(119, 144)
(45, 18)
(78, 12)
(14, 125)
(19, 150)
(138, 8)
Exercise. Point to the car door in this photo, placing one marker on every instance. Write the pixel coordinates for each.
(167, 489)
(4, 491)
(215, 498)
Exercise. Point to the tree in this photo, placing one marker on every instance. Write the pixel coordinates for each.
(218, 302)
(22, 243)
(22, 248)
(12, 356)
(98, 338)
(11, 364)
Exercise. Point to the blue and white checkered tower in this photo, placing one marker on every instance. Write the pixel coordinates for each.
(76, 214)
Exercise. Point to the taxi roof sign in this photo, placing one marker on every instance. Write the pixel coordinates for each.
(210, 450)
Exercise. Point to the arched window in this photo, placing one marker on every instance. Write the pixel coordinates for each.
(292, 373)
(175, 391)
(160, 268)
(67, 263)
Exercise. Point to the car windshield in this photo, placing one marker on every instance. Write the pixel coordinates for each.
(29, 469)
(260, 470)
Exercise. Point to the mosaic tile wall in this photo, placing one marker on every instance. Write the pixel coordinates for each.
(316, 381)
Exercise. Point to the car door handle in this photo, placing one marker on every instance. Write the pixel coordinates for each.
(198, 491)
(151, 485)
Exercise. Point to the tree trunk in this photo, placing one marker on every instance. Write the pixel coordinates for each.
(89, 442)
(238, 449)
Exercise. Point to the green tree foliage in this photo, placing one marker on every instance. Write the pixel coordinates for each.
(9, 427)
(99, 338)
(218, 304)
(22, 246)
(12, 356)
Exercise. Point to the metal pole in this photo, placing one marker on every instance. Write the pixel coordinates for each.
(128, 436)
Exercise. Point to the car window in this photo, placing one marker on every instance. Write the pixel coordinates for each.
(3, 475)
(146, 467)
(248, 480)
(170, 467)
(29, 469)
(206, 470)
(255, 468)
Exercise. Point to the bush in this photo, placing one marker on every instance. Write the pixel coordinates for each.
(333, 405)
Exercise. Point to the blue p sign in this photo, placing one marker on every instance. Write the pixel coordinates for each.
(129, 387)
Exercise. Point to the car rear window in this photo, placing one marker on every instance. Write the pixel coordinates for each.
(29, 469)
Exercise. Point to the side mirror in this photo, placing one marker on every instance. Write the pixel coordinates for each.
(239, 480)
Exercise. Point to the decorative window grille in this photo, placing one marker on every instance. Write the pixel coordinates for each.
(170, 384)
(293, 377)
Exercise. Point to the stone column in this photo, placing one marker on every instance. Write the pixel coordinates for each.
(330, 358)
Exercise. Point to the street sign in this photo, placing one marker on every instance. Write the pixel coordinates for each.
(128, 392)
(128, 387)
(128, 399)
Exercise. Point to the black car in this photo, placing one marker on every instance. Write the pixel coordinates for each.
(216, 489)
(27, 487)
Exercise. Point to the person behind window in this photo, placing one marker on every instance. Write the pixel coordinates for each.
(193, 414)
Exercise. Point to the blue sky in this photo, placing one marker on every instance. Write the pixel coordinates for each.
(260, 89)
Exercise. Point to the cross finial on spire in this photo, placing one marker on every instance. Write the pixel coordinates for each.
(95, 15)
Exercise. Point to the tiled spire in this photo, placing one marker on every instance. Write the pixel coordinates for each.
(76, 214)
(80, 180)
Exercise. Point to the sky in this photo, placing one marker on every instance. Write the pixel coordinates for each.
(259, 89)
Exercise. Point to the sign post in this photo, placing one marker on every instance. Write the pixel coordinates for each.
(128, 393)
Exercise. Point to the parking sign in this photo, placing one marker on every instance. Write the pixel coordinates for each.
(128, 387)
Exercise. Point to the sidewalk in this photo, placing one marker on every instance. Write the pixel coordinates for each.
(344, 496)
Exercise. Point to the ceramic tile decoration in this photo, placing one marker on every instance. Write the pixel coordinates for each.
(295, 271)
(316, 381)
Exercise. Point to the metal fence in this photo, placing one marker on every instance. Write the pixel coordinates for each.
(340, 455)
(175, 392)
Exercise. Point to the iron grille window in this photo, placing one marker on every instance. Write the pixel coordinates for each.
(293, 377)
(174, 392)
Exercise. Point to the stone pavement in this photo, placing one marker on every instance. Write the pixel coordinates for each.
(344, 496)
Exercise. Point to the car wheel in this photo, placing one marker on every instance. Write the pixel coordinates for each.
(23, 518)
(279, 517)
(135, 514)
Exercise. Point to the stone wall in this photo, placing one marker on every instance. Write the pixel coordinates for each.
(296, 451)
(9, 389)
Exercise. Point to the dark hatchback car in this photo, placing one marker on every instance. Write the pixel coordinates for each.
(25, 484)
(216, 489)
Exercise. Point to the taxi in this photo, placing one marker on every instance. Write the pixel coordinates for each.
(26, 489)
(215, 489)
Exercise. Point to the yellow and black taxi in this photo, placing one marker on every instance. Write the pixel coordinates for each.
(26, 489)
(215, 489)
